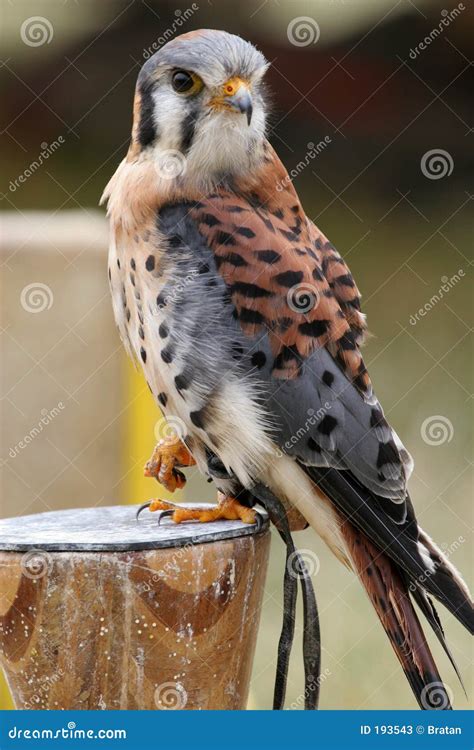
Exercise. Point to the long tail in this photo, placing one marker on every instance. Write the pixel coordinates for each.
(405, 543)
(388, 591)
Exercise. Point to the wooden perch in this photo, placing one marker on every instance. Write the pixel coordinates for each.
(98, 610)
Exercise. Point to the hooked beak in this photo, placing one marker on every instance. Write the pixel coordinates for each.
(236, 96)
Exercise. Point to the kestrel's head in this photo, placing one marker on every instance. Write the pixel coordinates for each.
(200, 96)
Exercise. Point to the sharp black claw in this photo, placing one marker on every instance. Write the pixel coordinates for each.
(141, 508)
(163, 514)
(258, 522)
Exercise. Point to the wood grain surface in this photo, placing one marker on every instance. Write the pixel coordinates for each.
(166, 628)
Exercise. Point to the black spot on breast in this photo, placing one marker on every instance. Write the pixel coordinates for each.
(317, 274)
(161, 300)
(268, 256)
(327, 425)
(233, 258)
(132, 278)
(133, 264)
(163, 330)
(246, 315)
(289, 278)
(118, 263)
(345, 280)
(224, 238)
(128, 315)
(346, 341)
(198, 418)
(143, 354)
(246, 232)
(167, 355)
(291, 236)
(209, 219)
(163, 399)
(328, 378)
(203, 268)
(313, 328)
(110, 275)
(287, 354)
(249, 290)
(150, 263)
(258, 359)
(141, 332)
(182, 382)
(278, 213)
(235, 209)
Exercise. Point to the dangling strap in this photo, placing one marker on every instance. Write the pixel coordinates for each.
(311, 635)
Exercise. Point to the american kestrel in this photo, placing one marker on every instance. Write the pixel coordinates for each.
(247, 324)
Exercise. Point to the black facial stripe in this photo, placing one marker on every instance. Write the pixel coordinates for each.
(146, 127)
(188, 128)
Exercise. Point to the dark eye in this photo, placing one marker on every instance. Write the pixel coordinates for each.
(182, 81)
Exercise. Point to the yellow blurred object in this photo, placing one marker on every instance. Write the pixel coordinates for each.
(6, 702)
(143, 428)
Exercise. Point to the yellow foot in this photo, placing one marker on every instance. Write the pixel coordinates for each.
(228, 508)
(169, 454)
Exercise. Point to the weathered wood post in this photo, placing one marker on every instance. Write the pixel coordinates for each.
(98, 610)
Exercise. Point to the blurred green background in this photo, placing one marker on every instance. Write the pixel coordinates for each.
(402, 220)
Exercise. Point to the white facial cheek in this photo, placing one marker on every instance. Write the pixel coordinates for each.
(169, 113)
